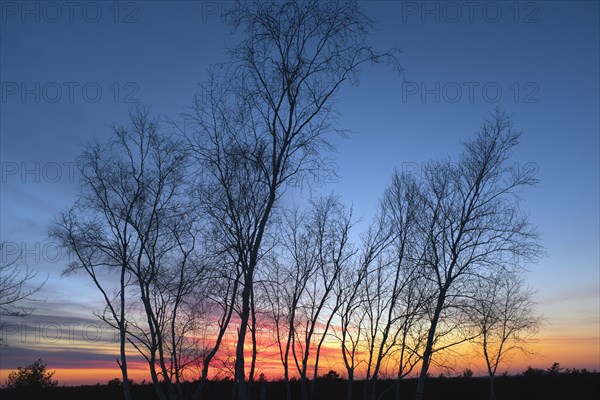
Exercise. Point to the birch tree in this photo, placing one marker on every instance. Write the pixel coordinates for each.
(131, 222)
(504, 314)
(472, 224)
(265, 119)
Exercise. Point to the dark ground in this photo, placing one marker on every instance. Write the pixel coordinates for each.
(560, 387)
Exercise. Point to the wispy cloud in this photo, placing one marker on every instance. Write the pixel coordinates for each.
(572, 294)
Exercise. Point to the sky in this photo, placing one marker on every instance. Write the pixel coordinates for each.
(68, 70)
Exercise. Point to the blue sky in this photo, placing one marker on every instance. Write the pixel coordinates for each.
(67, 74)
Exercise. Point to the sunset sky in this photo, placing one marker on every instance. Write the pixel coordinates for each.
(69, 71)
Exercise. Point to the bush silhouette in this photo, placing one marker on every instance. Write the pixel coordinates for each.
(331, 375)
(32, 376)
(467, 373)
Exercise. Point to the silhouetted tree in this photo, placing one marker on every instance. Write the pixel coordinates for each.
(331, 375)
(132, 219)
(349, 293)
(300, 285)
(394, 291)
(34, 375)
(15, 285)
(264, 119)
(504, 315)
(284, 284)
(533, 372)
(114, 382)
(119, 383)
(555, 369)
(471, 224)
(327, 226)
(215, 309)
(350, 331)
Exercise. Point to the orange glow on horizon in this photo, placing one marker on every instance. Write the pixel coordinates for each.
(547, 348)
(89, 376)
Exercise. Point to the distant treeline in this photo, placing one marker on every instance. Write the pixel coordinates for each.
(531, 385)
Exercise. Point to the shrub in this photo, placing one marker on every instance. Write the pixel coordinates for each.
(32, 376)
(331, 375)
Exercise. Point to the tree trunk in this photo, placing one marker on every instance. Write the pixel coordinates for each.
(374, 388)
(123, 363)
(254, 349)
(288, 385)
(263, 391)
(122, 338)
(349, 384)
(492, 389)
(286, 365)
(304, 385)
(222, 329)
(429, 346)
(240, 375)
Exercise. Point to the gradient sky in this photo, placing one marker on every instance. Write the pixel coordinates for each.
(68, 70)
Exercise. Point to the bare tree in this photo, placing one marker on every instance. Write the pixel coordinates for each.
(471, 225)
(300, 287)
(284, 284)
(504, 314)
(166, 276)
(350, 295)
(394, 292)
(131, 219)
(328, 224)
(351, 320)
(264, 120)
(215, 308)
(15, 284)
